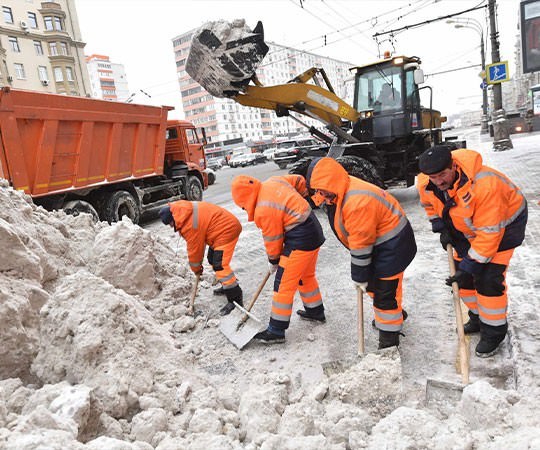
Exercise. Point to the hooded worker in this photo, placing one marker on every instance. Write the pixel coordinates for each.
(202, 224)
(292, 237)
(372, 225)
(483, 215)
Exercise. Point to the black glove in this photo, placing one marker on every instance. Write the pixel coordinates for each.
(458, 277)
(446, 239)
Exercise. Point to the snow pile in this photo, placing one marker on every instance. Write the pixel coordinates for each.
(98, 353)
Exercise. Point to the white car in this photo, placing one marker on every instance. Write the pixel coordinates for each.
(211, 176)
(269, 153)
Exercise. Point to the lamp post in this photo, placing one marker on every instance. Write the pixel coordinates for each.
(473, 24)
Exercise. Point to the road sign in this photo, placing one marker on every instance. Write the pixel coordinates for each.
(483, 84)
(497, 72)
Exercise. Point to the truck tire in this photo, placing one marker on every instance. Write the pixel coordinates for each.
(300, 167)
(361, 168)
(282, 165)
(194, 189)
(76, 207)
(119, 204)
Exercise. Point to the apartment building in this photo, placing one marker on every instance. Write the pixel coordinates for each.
(108, 80)
(228, 123)
(41, 48)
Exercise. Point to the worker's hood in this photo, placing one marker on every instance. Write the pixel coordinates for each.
(182, 211)
(327, 174)
(245, 190)
(469, 161)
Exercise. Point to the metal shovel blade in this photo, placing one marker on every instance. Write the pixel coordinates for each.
(238, 331)
(224, 56)
(443, 395)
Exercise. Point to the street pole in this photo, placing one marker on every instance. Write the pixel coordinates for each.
(501, 136)
(484, 128)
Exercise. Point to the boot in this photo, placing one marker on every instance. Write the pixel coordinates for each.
(219, 291)
(388, 339)
(403, 312)
(314, 314)
(268, 337)
(233, 295)
(473, 325)
(226, 310)
(490, 339)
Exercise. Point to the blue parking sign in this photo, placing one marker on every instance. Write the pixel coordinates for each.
(497, 72)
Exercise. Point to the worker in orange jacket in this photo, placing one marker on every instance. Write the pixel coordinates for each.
(292, 237)
(372, 225)
(483, 215)
(202, 224)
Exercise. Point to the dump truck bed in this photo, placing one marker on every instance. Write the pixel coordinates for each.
(52, 143)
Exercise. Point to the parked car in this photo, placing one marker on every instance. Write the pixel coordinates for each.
(295, 149)
(211, 176)
(269, 153)
(238, 160)
(213, 163)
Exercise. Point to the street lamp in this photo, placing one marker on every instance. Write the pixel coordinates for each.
(473, 24)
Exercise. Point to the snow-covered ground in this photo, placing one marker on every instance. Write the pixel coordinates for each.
(99, 353)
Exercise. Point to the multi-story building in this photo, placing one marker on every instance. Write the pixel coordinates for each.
(41, 47)
(228, 123)
(107, 79)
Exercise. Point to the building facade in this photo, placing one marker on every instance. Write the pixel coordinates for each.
(228, 123)
(108, 80)
(41, 48)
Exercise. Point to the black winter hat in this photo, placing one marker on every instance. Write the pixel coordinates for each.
(435, 159)
(166, 215)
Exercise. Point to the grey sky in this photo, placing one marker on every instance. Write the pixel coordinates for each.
(139, 33)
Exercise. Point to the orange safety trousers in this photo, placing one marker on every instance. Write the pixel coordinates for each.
(486, 296)
(220, 258)
(296, 272)
(387, 295)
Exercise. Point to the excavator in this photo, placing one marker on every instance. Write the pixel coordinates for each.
(379, 139)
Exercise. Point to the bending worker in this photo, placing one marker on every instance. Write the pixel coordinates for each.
(483, 215)
(292, 237)
(373, 226)
(201, 224)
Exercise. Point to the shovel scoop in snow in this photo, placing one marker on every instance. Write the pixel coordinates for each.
(224, 56)
(240, 326)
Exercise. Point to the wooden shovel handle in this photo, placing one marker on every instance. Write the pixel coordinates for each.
(194, 294)
(360, 306)
(462, 343)
(255, 297)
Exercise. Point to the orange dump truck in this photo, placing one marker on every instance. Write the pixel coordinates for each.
(105, 158)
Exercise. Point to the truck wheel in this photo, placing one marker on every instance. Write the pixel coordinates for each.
(361, 168)
(120, 204)
(282, 165)
(76, 207)
(301, 166)
(194, 189)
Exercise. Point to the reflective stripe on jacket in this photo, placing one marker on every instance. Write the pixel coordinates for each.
(201, 224)
(367, 220)
(484, 205)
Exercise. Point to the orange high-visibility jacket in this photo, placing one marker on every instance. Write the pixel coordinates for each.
(367, 220)
(484, 205)
(276, 205)
(201, 224)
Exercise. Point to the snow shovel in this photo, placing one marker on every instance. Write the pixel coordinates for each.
(437, 390)
(191, 309)
(240, 325)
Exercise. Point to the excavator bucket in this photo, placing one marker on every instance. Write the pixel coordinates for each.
(224, 56)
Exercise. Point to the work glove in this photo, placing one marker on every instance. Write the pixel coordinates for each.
(272, 268)
(458, 277)
(446, 239)
(361, 286)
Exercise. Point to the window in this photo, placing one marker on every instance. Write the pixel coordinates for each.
(38, 47)
(69, 74)
(192, 136)
(19, 71)
(64, 48)
(48, 23)
(53, 23)
(58, 75)
(32, 20)
(42, 72)
(53, 49)
(58, 25)
(8, 15)
(14, 44)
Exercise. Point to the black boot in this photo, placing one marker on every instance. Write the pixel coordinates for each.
(473, 325)
(314, 314)
(388, 339)
(269, 337)
(490, 339)
(219, 291)
(403, 312)
(233, 295)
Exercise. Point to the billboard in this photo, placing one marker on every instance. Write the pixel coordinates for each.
(530, 35)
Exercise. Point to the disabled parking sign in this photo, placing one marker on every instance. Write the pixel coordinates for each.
(497, 72)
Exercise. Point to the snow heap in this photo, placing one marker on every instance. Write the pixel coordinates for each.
(97, 353)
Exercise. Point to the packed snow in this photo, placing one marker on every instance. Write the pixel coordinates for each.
(99, 352)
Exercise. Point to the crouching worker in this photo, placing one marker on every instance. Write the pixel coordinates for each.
(201, 224)
(292, 237)
(373, 226)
